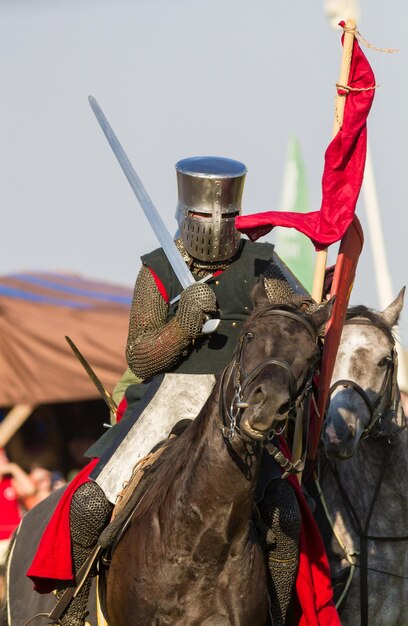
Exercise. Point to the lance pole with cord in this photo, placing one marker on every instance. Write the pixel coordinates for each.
(344, 273)
(349, 34)
(346, 263)
(382, 274)
(321, 258)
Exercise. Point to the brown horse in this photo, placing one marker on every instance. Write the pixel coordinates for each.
(190, 555)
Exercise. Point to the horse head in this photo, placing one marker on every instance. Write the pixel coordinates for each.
(273, 366)
(363, 392)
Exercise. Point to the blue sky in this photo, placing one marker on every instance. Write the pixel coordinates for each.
(176, 79)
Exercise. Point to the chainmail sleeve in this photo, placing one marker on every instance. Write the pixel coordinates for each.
(276, 286)
(153, 346)
(280, 291)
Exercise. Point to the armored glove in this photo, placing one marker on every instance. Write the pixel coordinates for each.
(155, 345)
(195, 302)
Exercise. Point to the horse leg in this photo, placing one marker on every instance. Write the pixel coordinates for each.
(90, 512)
(280, 513)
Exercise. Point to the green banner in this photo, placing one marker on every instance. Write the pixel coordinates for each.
(295, 249)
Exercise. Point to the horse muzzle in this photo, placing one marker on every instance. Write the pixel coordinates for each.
(341, 435)
(263, 413)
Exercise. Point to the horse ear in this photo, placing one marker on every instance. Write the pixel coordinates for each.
(259, 295)
(320, 316)
(391, 314)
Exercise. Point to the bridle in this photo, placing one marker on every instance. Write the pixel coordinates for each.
(384, 407)
(230, 412)
(381, 411)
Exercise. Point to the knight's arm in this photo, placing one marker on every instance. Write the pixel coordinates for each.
(281, 284)
(155, 345)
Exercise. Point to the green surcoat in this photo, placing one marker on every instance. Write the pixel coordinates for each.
(232, 287)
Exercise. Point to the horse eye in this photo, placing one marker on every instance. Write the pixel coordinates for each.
(249, 336)
(384, 361)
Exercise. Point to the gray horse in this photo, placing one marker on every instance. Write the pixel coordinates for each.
(364, 475)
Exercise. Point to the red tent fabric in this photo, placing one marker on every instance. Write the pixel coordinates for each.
(343, 170)
(37, 310)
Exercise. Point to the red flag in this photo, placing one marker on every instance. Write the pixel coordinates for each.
(343, 170)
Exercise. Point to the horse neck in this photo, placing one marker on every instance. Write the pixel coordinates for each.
(216, 473)
(378, 463)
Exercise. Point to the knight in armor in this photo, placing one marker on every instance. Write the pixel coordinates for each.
(166, 336)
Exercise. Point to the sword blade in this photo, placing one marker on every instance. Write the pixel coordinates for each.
(100, 387)
(166, 241)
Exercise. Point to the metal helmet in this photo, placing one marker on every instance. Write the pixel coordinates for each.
(209, 198)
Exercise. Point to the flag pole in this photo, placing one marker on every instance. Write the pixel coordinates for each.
(321, 257)
(349, 30)
(381, 270)
(346, 261)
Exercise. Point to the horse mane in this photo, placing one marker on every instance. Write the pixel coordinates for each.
(374, 317)
(172, 461)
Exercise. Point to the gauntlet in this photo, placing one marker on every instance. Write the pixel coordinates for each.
(155, 345)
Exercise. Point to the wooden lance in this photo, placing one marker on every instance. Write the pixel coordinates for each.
(349, 30)
(321, 260)
(349, 252)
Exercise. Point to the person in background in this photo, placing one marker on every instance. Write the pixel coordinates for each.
(58, 480)
(41, 478)
(15, 486)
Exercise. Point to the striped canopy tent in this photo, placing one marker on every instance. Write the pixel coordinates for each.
(37, 310)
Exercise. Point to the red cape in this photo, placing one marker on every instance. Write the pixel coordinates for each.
(52, 564)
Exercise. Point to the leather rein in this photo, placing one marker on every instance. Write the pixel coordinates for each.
(230, 413)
